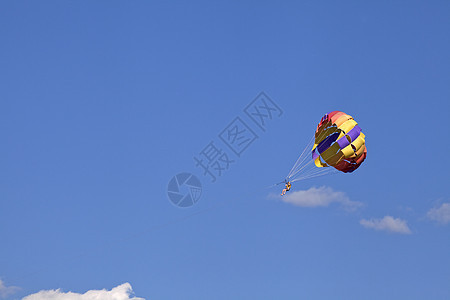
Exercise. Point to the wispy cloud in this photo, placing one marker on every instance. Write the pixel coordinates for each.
(440, 214)
(387, 223)
(121, 292)
(5, 291)
(320, 197)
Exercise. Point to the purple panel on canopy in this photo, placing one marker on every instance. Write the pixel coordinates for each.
(325, 144)
(315, 154)
(343, 142)
(354, 133)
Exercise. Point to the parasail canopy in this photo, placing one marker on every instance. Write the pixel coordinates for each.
(338, 145)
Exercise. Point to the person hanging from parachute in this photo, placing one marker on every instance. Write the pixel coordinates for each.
(287, 188)
(338, 142)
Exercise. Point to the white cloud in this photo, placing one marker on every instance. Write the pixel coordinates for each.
(440, 214)
(121, 292)
(388, 223)
(322, 196)
(5, 291)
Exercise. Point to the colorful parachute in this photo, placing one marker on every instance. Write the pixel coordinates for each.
(338, 143)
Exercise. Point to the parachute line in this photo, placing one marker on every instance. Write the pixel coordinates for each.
(301, 159)
(304, 167)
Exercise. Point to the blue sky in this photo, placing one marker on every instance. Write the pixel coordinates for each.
(103, 102)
